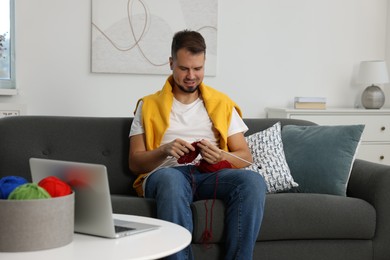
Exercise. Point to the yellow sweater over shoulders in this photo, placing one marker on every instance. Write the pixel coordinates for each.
(156, 111)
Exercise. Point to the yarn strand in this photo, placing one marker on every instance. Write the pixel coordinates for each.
(207, 235)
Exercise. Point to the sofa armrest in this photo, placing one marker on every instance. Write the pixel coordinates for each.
(131, 205)
(371, 182)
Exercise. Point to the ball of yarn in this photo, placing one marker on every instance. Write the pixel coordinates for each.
(29, 191)
(55, 186)
(8, 184)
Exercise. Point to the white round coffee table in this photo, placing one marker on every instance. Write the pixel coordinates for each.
(168, 239)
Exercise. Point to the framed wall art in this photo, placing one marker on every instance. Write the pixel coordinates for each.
(134, 36)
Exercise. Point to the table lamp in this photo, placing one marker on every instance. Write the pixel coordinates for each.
(373, 72)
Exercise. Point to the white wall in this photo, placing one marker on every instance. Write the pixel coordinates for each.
(268, 52)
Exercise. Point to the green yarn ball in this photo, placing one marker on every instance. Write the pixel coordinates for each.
(29, 191)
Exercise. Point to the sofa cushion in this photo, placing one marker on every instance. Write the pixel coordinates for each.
(297, 216)
(267, 151)
(320, 157)
(317, 216)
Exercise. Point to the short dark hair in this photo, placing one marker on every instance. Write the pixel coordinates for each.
(189, 40)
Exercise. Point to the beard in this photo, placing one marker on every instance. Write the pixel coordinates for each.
(187, 90)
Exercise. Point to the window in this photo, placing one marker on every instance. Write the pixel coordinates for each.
(7, 54)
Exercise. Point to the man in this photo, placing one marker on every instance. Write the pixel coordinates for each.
(165, 126)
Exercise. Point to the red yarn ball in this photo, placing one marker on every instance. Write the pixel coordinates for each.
(55, 187)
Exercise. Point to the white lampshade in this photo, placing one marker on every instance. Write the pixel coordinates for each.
(373, 72)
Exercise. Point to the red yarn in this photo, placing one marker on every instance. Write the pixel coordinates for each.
(55, 187)
(206, 167)
(202, 166)
(208, 232)
(189, 157)
(207, 235)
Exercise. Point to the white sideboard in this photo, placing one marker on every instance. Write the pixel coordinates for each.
(375, 145)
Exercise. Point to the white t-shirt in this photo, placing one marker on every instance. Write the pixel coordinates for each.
(189, 122)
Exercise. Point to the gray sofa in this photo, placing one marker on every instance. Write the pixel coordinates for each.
(296, 226)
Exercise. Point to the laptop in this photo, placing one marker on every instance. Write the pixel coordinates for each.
(93, 210)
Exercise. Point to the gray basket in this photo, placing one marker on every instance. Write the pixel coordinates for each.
(29, 225)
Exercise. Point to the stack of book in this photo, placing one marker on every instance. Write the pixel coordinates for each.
(310, 103)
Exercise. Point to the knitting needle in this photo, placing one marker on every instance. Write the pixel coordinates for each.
(242, 159)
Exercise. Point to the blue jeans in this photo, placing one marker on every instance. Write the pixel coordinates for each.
(242, 191)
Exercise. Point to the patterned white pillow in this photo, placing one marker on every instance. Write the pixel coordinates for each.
(267, 151)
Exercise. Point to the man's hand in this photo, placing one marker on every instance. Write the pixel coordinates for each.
(210, 153)
(177, 148)
(141, 160)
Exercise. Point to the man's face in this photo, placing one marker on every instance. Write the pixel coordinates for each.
(188, 70)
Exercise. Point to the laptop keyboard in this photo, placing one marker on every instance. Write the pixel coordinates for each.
(119, 229)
